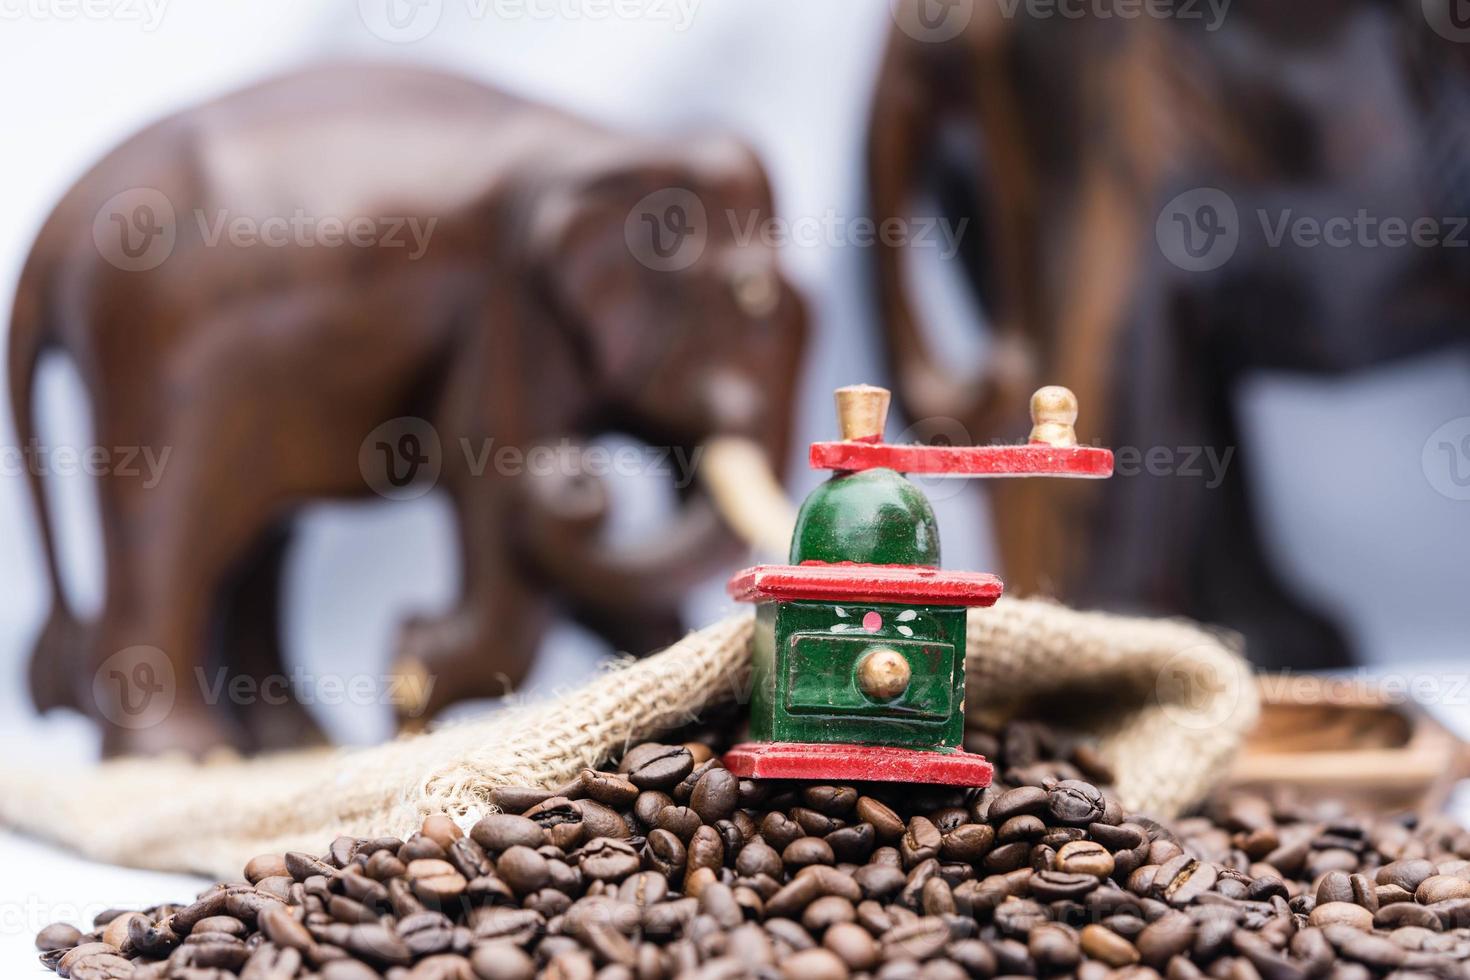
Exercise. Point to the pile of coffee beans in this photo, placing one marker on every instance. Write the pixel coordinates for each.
(669, 866)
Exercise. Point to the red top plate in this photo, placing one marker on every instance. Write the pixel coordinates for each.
(852, 582)
(1032, 459)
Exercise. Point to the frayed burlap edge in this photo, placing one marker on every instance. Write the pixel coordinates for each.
(1176, 703)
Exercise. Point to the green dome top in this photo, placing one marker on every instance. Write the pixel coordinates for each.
(872, 516)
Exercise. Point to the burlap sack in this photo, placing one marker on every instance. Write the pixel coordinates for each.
(1169, 701)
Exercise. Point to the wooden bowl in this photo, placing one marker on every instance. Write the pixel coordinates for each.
(1348, 741)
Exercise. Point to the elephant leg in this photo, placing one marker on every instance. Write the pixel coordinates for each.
(173, 537)
(249, 637)
(156, 687)
(482, 649)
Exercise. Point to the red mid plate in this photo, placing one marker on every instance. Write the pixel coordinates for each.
(857, 763)
(854, 582)
(1032, 459)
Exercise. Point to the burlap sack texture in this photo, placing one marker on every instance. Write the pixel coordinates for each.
(1169, 700)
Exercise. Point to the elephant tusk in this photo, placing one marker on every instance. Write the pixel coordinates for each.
(747, 494)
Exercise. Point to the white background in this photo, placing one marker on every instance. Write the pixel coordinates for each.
(1357, 524)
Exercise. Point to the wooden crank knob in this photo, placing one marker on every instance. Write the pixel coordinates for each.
(1054, 416)
(861, 412)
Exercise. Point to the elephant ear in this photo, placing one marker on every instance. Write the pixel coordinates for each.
(592, 278)
(616, 242)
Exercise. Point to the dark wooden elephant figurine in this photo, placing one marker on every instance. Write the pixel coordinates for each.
(346, 278)
(1070, 143)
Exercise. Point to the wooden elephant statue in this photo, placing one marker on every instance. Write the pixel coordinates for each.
(361, 278)
(1070, 143)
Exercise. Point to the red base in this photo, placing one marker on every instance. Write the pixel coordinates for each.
(857, 763)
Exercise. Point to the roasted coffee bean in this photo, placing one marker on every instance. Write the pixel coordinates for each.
(601, 821)
(758, 858)
(1401, 914)
(1056, 886)
(229, 925)
(887, 824)
(706, 850)
(102, 966)
(968, 842)
(1024, 827)
(835, 801)
(302, 866)
(1441, 888)
(268, 962)
(1341, 913)
(1334, 887)
(681, 821)
(1123, 837)
(1167, 936)
(1075, 803)
(1006, 857)
(825, 912)
(1364, 891)
(852, 844)
(1183, 884)
(793, 897)
(665, 852)
(605, 859)
(497, 832)
(1372, 951)
(1023, 799)
(715, 795)
(1054, 947)
(853, 945)
(807, 850)
(339, 969)
(779, 830)
(689, 870)
(917, 940)
(658, 766)
(58, 935)
(814, 964)
(1106, 946)
(265, 866)
(561, 819)
(442, 966)
(439, 828)
(1085, 857)
(522, 868)
(879, 881)
(285, 930)
(607, 788)
(920, 841)
(648, 805)
(1408, 875)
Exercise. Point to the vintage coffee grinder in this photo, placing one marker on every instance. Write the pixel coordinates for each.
(859, 649)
